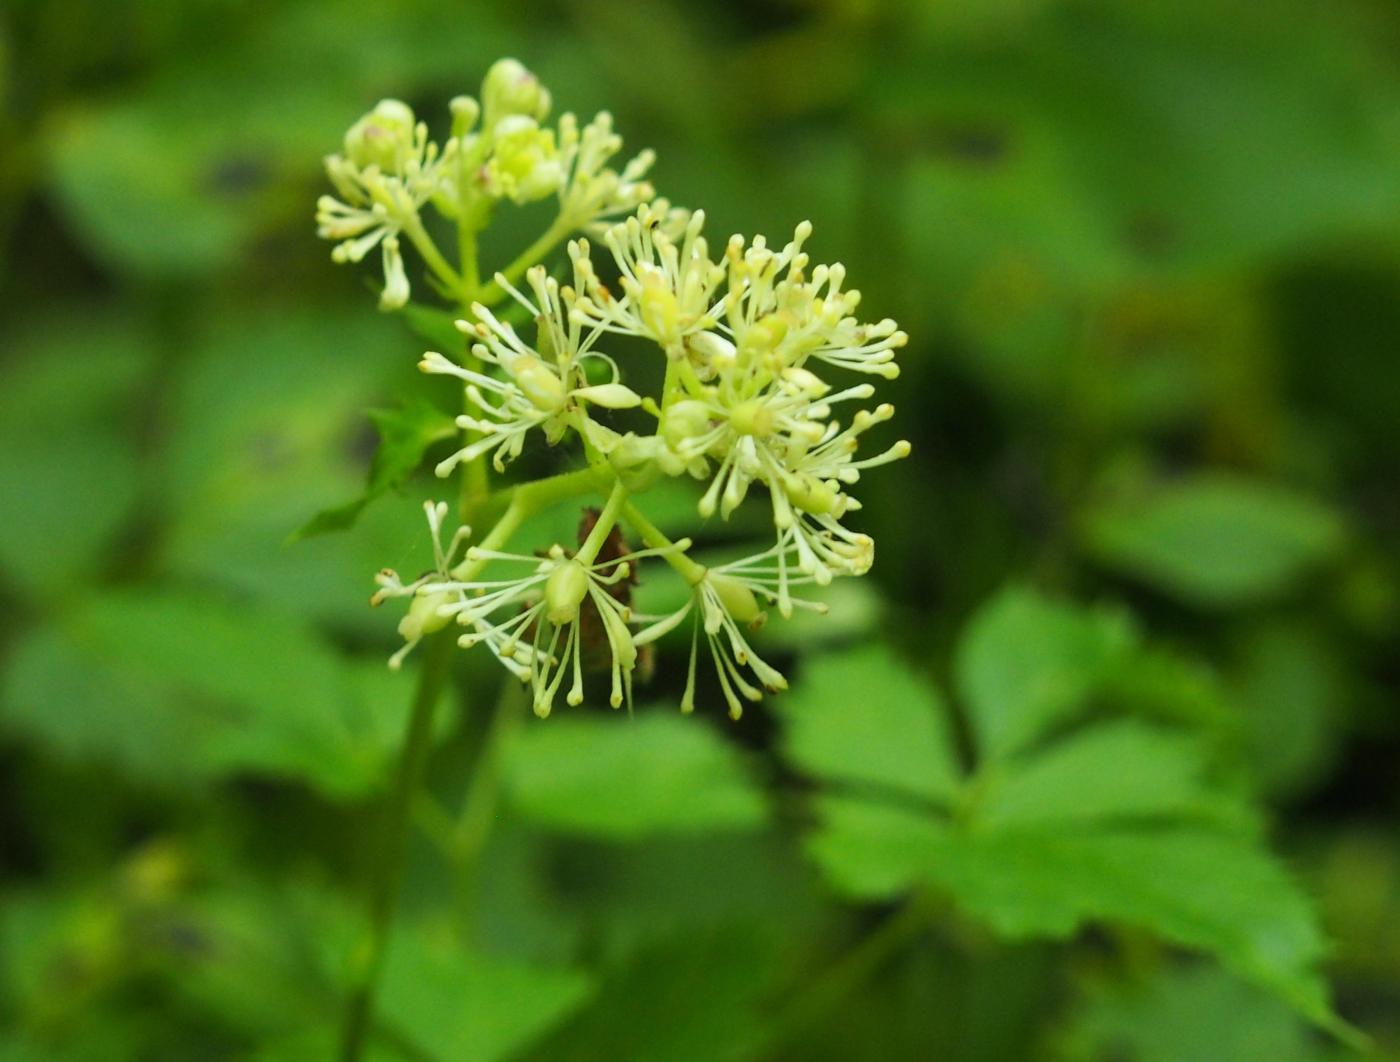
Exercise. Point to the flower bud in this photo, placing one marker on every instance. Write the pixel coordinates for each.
(509, 88)
(465, 112)
(539, 383)
(525, 166)
(564, 592)
(812, 495)
(382, 138)
(423, 617)
(738, 600)
(684, 422)
(657, 305)
(752, 418)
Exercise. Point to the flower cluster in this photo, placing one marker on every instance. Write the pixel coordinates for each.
(500, 148)
(750, 343)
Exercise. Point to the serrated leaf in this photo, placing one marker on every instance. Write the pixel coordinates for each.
(1215, 540)
(614, 777)
(1191, 1013)
(864, 717)
(1212, 891)
(405, 435)
(873, 850)
(460, 1004)
(1121, 770)
(1026, 664)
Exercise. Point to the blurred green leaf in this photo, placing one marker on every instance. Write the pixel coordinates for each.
(405, 434)
(1214, 540)
(464, 1005)
(1189, 1013)
(1115, 821)
(863, 717)
(1026, 663)
(1118, 771)
(175, 686)
(68, 457)
(624, 779)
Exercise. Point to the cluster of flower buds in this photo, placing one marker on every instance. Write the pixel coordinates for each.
(500, 148)
(750, 345)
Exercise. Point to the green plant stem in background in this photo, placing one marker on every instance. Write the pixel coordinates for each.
(368, 961)
(523, 502)
(854, 968)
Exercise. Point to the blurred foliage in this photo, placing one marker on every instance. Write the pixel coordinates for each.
(1105, 770)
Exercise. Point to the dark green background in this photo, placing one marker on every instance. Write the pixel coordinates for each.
(1148, 255)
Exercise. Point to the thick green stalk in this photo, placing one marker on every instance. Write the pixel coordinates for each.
(854, 968)
(386, 871)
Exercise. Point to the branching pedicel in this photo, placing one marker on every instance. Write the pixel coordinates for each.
(746, 337)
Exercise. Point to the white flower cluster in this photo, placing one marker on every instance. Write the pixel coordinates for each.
(389, 171)
(744, 341)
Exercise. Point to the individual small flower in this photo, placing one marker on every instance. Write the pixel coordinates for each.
(725, 601)
(544, 386)
(592, 192)
(423, 616)
(524, 164)
(388, 170)
(772, 306)
(668, 286)
(543, 608)
(509, 89)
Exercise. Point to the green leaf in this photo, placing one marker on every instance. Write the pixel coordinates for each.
(862, 716)
(1215, 540)
(873, 850)
(1116, 821)
(1026, 664)
(177, 687)
(1208, 890)
(1214, 892)
(1190, 1013)
(620, 778)
(464, 1005)
(68, 457)
(405, 435)
(1122, 770)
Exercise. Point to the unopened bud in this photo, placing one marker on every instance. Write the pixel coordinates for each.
(423, 617)
(564, 592)
(509, 88)
(382, 138)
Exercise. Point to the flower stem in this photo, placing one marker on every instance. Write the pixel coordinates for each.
(369, 959)
(850, 971)
(603, 526)
(654, 537)
(413, 228)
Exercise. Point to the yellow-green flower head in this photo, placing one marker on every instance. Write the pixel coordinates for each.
(510, 89)
(383, 138)
(524, 165)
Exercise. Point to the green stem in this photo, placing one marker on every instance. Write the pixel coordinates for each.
(413, 228)
(473, 825)
(854, 968)
(494, 292)
(603, 526)
(654, 537)
(387, 869)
